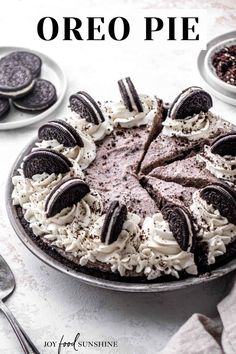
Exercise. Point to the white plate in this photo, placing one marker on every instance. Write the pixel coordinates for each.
(210, 70)
(50, 71)
(215, 90)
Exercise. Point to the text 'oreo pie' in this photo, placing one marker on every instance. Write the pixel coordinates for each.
(192, 100)
(225, 145)
(40, 98)
(129, 95)
(65, 195)
(113, 223)
(15, 81)
(223, 198)
(63, 132)
(45, 160)
(84, 105)
(181, 225)
(21, 58)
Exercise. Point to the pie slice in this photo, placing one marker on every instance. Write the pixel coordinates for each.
(164, 192)
(188, 127)
(190, 172)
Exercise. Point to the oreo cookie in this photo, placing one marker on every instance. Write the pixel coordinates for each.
(192, 100)
(181, 225)
(40, 98)
(45, 160)
(4, 106)
(223, 198)
(225, 145)
(65, 195)
(15, 81)
(113, 223)
(129, 95)
(63, 132)
(84, 105)
(21, 58)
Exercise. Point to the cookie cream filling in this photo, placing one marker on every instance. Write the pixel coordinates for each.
(122, 255)
(121, 116)
(199, 126)
(96, 132)
(223, 167)
(82, 156)
(214, 228)
(161, 251)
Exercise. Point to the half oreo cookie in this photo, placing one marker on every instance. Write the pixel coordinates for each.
(225, 145)
(192, 100)
(84, 105)
(63, 132)
(223, 198)
(65, 195)
(15, 81)
(4, 106)
(28, 60)
(181, 225)
(45, 160)
(113, 223)
(40, 98)
(129, 95)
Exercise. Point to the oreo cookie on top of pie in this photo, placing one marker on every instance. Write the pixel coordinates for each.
(132, 190)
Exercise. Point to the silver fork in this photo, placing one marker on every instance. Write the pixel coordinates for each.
(7, 286)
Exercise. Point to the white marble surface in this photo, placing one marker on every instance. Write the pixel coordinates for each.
(46, 302)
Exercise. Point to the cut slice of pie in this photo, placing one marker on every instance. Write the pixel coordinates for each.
(188, 127)
(164, 192)
(189, 172)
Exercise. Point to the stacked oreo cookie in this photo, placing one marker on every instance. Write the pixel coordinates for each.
(21, 85)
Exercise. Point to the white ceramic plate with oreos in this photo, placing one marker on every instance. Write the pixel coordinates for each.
(213, 86)
(98, 281)
(50, 71)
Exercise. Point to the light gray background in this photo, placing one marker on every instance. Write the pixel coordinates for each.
(50, 304)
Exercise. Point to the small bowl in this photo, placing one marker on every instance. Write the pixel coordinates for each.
(210, 70)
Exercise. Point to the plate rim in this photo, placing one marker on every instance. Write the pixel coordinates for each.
(90, 279)
(42, 115)
(217, 91)
(210, 70)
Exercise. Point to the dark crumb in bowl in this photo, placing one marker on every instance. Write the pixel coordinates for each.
(224, 62)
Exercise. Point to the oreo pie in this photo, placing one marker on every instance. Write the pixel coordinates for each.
(85, 200)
